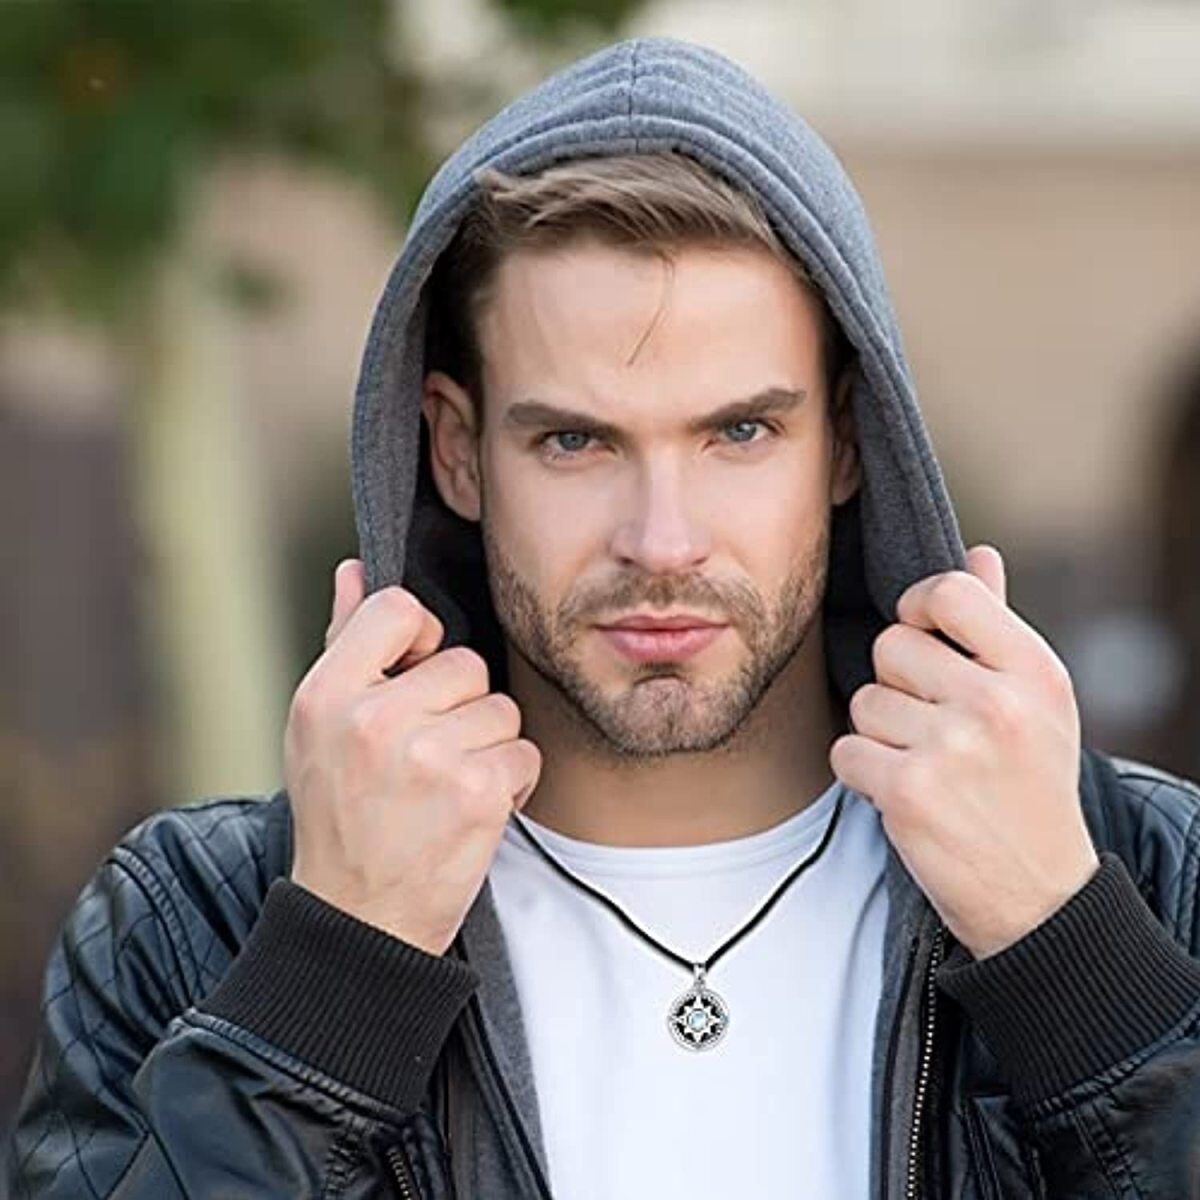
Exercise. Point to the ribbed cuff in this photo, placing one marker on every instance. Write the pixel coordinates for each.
(368, 1009)
(1098, 980)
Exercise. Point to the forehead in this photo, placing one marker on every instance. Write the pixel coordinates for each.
(608, 325)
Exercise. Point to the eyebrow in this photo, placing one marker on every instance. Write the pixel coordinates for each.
(534, 414)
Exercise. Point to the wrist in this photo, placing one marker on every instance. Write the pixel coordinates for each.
(361, 1006)
(1007, 932)
(380, 915)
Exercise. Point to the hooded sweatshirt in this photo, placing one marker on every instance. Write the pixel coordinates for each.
(638, 96)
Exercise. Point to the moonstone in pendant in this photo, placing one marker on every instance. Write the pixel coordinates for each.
(698, 1018)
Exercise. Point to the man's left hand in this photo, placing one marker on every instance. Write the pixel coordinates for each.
(972, 762)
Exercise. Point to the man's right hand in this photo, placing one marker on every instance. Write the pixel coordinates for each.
(401, 784)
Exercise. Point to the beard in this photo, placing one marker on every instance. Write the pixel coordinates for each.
(665, 708)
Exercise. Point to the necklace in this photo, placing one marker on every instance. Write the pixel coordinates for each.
(698, 1017)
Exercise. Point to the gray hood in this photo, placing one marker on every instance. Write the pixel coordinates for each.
(651, 94)
(642, 95)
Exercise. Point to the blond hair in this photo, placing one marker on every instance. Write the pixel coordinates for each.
(656, 202)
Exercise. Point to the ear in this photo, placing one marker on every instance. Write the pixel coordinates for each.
(453, 443)
(846, 476)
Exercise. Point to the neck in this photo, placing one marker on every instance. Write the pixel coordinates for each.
(775, 766)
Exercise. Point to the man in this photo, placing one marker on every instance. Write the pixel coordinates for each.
(676, 806)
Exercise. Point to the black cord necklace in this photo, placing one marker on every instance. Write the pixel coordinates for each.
(698, 1017)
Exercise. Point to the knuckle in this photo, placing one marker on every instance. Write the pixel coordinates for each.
(533, 751)
(1001, 708)
(837, 753)
(1058, 678)
(307, 703)
(393, 600)
(957, 739)
(364, 723)
(946, 594)
(955, 583)
(507, 709)
(477, 787)
(529, 770)
(858, 703)
(941, 600)
(470, 663)
(886, 642)
(425, 753)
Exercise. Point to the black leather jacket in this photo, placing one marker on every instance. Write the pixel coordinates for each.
(1067, 1067)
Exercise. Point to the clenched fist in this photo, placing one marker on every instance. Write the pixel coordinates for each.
(401, 766)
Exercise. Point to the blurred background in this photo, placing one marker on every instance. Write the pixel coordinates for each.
(199, 205)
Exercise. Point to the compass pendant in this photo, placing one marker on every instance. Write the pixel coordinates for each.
(698, 1018)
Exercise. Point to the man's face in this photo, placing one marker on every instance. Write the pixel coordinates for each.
(636, 506)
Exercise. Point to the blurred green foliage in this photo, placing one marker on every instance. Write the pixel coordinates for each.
(109, 107)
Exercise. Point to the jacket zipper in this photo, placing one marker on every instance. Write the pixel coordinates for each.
(912, 1185)
(402, 1173)
(888, 1071)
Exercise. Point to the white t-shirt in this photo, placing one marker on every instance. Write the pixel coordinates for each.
(779, 1105)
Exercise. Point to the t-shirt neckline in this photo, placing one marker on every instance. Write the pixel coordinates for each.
(785, 837)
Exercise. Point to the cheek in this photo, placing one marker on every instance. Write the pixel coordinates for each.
(776, 512)
(784, 556)
(777, 553)
(547, 537)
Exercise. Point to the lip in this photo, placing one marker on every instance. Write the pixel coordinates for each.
(661, 644)
(679, 621)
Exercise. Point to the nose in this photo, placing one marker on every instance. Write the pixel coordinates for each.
(663, 532)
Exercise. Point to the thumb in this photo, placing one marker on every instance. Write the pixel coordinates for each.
(349, 589)
(985, 562)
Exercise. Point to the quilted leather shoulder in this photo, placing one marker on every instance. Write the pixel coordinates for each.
(207, 867)
(1150, 816)
(1147, 777)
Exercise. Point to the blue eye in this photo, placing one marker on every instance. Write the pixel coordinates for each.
(746, 421)
(564, 433)
(545, 441)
